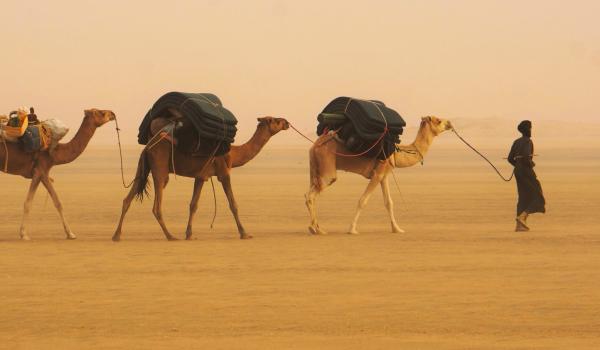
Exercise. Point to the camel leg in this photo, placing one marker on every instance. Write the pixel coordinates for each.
(322, 175)
(389, 205)
(375, 180)
(159, 184)
(48, 184)
(311, 197)
(126, 204)
(226, 182)
(198, 183)
(35, 182)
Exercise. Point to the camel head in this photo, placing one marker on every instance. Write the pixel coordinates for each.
(437, 125)
(99, 116)
(273, 125)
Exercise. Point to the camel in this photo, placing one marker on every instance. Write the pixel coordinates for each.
(36, 166)
(157, 160)
(324, 162)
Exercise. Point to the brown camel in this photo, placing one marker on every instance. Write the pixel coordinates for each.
(157, 160)
(36, 166)
(324, 164)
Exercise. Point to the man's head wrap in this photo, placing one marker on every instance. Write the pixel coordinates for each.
(525, 128)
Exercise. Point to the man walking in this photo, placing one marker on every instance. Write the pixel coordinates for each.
(531, 197)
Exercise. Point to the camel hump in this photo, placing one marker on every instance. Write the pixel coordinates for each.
(324, 139)
(158, 124)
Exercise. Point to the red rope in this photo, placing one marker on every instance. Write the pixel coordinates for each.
(385, 130)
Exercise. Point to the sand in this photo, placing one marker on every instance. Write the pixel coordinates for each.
(459, 277)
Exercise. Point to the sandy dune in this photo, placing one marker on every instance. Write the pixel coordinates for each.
(459, 278)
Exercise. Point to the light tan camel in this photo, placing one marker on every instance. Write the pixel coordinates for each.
(324, 164)
(158, 161)
(36, 166)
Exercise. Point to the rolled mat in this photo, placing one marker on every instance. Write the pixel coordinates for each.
(214, 124)
(360, 123)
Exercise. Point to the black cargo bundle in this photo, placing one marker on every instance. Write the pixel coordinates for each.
(363, 125)
(214, 124)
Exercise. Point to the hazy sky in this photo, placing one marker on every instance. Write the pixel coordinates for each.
(467, 59)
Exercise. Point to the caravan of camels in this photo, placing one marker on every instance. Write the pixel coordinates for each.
(191, 135)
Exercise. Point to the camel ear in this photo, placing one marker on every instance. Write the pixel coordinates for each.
(90, 111)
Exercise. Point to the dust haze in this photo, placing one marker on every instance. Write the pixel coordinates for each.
(460, 277)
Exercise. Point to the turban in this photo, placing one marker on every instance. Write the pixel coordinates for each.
(525, 128)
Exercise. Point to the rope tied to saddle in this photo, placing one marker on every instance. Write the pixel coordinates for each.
(334, 132)
(416, 151)
(118, 130)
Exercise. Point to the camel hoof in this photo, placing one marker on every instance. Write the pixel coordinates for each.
(190, 238)
(116, 238)
(353, 232)
(25, 238)
(246, 236)
(397, 230)
(71, 236)
(171, 238)
(316, 231)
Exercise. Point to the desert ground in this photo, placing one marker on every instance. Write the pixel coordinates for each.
(459, 278)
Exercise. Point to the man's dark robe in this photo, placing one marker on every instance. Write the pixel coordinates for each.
(531, 197)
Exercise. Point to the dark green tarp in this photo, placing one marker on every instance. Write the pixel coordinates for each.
(214, 124)
(361, 123)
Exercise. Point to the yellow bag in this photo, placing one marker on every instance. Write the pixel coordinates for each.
(17, 131)
(45, 136)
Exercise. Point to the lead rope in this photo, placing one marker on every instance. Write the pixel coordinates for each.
(125, 185)
(301, 134)
(5, 152)
(214, 203)
(173, 150)
(484, 157)
(396, 180)
(151, 143)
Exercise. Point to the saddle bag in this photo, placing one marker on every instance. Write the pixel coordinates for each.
(34, 139)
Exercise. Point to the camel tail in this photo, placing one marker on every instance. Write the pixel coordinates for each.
(140, 185)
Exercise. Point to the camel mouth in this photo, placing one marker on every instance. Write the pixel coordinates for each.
(449, 125)
(286, 124)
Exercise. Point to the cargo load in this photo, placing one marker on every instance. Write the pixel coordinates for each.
(215, 126)
(32, 136)
(364, 126)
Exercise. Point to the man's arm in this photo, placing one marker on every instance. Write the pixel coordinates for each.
(511, 155)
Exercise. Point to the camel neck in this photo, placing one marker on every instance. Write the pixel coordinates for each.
(424, 139)
(242, 154)
(68, 152)
(409, 155)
